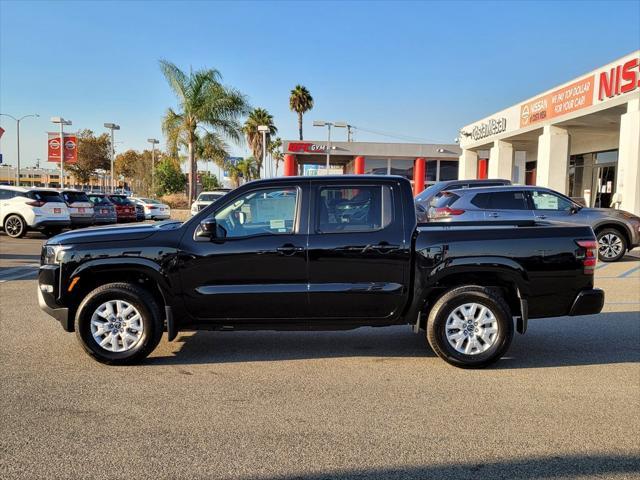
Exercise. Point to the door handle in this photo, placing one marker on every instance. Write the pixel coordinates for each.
(289, 249)
(493, 214)
(542, 216)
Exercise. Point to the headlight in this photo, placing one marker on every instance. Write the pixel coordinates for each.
(53, 254)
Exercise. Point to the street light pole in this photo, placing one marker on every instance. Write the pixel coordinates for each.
(264, 129)
(62, 123)
(153, 143)
(18, 120)
(112, 127)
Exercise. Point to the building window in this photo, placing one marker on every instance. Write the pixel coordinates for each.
(376, 166)
(402, 167)
(448, 170)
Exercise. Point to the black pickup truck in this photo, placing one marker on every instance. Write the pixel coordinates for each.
(335, 252)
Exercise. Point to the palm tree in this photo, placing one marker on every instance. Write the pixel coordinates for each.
(258, 117)
(275, 150)
(300, 102)
(246, 168)
(203, 103)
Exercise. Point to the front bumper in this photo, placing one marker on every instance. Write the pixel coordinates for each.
(588, 302)
(48, 276)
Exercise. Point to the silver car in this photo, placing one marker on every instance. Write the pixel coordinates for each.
(423, 199)
(616, 230)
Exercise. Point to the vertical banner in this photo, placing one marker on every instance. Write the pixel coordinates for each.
(70, 148)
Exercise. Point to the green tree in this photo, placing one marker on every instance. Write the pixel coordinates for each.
(169, 178)
(209, 181)
(93, 153)
(300, 102)
(275, 150)
(258, 117)
(203, 102)
(246, 169)
(137, 170)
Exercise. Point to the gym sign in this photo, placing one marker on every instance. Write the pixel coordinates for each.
(306, 147)
(489, 128)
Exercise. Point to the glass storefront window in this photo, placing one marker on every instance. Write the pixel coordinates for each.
(375, 166)
(432, 171)
(402, 167)
(448, 170)
(607, 157)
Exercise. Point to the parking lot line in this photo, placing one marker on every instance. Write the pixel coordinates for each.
(629, 272)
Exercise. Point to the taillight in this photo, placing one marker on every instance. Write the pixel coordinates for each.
(590, 256)
(446, 212)
(36, 203)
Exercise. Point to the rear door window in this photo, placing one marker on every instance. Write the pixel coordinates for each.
(509, 200)
(6, 194)
(362, 208)
(549, 201)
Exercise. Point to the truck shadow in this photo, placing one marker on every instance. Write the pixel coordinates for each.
(569, 341)
(528, 468)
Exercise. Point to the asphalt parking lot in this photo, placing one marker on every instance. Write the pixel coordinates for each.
(367, 403)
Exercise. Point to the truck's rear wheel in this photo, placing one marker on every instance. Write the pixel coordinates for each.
(470, 327)
(119, 323)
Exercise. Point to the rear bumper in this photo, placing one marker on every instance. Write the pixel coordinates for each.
(51, 223)
(588, 302)
(84, 221)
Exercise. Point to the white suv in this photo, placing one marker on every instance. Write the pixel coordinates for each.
(23, 209)
(207, 198)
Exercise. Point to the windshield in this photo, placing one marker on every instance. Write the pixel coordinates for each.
(150, 200)
(210, 197)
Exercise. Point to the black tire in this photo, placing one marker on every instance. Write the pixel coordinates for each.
(142, 300)
(608, 239)
(15, 226)
(447, 303)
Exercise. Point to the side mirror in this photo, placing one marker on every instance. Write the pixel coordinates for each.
(209, 229)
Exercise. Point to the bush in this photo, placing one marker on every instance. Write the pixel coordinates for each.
(176, 200)
(169, 178)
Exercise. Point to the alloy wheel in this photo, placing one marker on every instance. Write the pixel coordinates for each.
(471, 329)
(13, 226)
(610, 245)
(117, 326)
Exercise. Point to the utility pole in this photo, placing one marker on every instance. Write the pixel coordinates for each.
(153, 143)
(112, 127)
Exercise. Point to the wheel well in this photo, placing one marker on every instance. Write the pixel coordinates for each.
(92, 280)
(618, 228)
(504, 286)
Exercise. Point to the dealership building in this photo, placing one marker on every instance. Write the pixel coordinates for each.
(422, 164)
(581, 138)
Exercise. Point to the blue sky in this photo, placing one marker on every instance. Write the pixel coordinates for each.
(419, 69)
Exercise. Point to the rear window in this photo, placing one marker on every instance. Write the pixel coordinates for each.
(120, 200)
(44, 196)
(99, 199)
(72, 197)
(445, 199)
(501, 201)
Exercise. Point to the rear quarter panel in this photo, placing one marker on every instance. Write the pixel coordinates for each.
(540, 260)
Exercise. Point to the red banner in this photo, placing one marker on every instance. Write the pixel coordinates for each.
(70, 148)
(1, 131)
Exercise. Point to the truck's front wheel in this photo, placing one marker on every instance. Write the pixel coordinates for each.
(470, 326)
(119, 323)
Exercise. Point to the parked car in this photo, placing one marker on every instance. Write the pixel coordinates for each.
(207, 198)
(617, 231)
(276, 254)
(23, 209)
(80, 208)
(104, 209)
(139, 210)
(153, 209)
(125, 208)
(424, 198)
